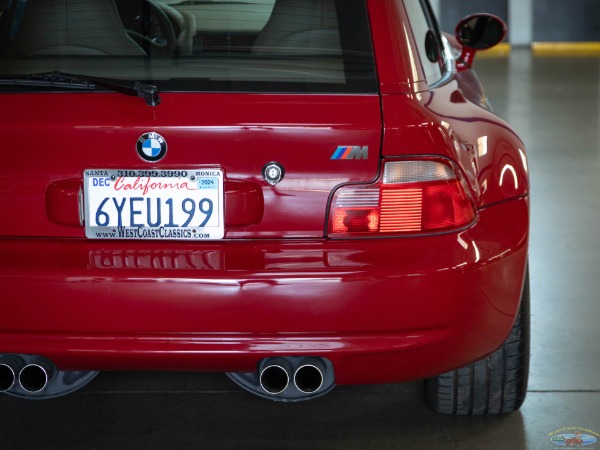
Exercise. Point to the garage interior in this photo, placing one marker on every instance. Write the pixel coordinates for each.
(553, 101)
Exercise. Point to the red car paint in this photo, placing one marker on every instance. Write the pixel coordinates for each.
(381, 309)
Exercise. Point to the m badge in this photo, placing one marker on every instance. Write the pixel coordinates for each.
(349, 152)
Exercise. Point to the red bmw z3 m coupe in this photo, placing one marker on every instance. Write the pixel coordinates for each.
(299, 193)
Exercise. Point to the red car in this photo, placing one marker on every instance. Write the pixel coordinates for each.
(300, 193)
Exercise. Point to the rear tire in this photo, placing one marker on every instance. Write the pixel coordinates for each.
(494, 385)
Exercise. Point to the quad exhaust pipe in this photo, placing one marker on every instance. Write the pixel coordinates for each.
(289, 379)
(285, 379)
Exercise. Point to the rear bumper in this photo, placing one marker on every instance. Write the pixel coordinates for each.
(381, 310)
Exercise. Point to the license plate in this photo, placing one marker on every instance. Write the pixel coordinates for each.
(154, 204)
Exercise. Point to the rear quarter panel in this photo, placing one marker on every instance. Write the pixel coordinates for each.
(445, 120)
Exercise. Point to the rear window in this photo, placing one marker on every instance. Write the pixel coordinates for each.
(193, 45)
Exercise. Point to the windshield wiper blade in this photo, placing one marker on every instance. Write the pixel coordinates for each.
(66, 80)
(34, 81)
(148, 92)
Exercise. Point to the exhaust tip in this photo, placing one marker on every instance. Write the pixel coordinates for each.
(10, 366)
(275, 377)
(7, 377)
(34, 378)
(309, 377)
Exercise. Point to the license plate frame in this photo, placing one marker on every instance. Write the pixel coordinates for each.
(154, 204)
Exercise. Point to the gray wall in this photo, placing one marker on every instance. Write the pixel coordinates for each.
(566, 20)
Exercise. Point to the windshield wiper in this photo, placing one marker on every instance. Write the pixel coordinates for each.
(64, 80)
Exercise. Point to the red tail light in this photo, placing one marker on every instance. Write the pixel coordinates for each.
(412, 197)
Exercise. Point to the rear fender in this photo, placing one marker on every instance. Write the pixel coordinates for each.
(444, 122)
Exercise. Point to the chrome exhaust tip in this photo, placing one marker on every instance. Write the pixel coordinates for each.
(309, 377)
(9, 367)
(7, 377)
(275, 377)
(34, 377)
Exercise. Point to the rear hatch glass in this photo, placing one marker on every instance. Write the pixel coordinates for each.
(262, 45)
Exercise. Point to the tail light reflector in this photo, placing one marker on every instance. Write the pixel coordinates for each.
(411, 197)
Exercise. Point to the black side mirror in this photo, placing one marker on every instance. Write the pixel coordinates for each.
(478, 32)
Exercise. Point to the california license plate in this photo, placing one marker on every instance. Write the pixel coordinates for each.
(154, 204)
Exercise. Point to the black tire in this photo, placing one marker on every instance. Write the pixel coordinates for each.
(494, 385)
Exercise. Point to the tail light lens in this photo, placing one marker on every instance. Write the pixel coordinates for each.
(411, 197)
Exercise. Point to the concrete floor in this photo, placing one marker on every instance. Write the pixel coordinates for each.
(555, 105)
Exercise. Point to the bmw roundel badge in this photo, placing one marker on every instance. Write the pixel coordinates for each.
(151, 147)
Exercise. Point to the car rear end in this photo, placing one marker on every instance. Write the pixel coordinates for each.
(275, 211)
